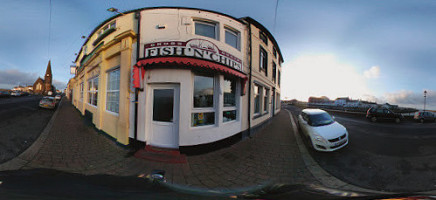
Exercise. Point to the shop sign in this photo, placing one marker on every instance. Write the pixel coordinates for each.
(197, 48)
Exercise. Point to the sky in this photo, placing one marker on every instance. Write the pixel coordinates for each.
(377, 50)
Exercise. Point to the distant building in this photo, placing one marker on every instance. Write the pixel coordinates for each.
(319, 100)
(44, 86)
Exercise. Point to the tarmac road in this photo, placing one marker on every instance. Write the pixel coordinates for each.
(21, 122)
(383, 156)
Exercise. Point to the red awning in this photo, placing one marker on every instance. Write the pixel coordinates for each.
(190, 62)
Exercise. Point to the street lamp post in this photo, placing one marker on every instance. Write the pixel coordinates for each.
(425, 96)
(115, 10)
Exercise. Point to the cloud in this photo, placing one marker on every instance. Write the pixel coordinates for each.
(412, 99)
(13, 77)
(373, 72)
(322, 75)
(59, 84)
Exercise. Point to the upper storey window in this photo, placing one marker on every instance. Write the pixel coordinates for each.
(206, 28)
(107, 27)
(263, 37)
(232, 38)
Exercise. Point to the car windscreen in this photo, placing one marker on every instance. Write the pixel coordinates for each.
(320, 119)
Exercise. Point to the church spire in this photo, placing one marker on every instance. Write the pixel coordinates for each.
(48, 75)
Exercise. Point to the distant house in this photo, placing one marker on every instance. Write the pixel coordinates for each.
(319, 100)
(342, 101)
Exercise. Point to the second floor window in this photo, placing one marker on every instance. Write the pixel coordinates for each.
(232, 38)
(207, 29)
(274, 72)
(263, 61)
(263, 37)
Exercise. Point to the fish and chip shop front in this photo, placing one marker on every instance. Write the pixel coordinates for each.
(191, 92)
(176, 77)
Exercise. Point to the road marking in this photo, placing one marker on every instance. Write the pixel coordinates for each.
(320, 174)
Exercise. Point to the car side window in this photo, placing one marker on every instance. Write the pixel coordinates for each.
(380, 111)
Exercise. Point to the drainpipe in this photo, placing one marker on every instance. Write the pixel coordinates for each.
(138, 19)
(249, 78)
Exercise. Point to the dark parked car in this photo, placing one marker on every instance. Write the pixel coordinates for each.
(424, 116)
(4, 94)
(380, 114)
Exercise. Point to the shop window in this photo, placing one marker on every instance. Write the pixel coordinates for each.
(229, 115)
(204, 110)
(93, 91)
(257, 92)
(263, 61)
(113, 91)
(203, 91)
(274, 72)
(81, 91)
(263, 37)
(202, 119)
(206, 28)
(232, 38)
(265, 100)
(229, 90)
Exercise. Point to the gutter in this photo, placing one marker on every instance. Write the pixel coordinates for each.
(135, 130)
(249, 78)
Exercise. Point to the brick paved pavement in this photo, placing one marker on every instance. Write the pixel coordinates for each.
(270, 156)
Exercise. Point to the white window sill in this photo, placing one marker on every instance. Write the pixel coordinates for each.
(112, 113)
(91, 105)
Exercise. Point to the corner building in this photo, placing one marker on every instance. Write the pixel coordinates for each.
(197, 78)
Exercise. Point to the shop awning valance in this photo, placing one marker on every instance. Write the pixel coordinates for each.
(141, 65)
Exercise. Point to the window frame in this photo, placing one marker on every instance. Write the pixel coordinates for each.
(213, 109)
(259, 93)
(91, 97)
(274, 72)
(110, 91)
(234, 32)
(263, 37)
(263, 61)
(237, 96)
(278, 77)
(265, 100)
(207, 22)
(81, 85)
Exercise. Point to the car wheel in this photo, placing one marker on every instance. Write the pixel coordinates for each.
(397, 120)
(421, 120)
(373, 119)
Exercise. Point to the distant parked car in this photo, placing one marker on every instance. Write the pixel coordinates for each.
(321, 130)
(424, 116)
(58, 97)
(375, 114)
(4, 94)
(16, 93)
(47, 102)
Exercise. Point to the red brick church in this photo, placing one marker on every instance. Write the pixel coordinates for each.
(44, 86)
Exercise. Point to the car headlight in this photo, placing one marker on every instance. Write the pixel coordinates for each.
(320, 139)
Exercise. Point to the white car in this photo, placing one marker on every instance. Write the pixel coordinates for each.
(321, 130)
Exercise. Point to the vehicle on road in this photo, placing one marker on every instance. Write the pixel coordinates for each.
(321, 130)
(47, 102)
(58, 97)
(4, 94)
(375, 114)
(16, 93)
(424, 116)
